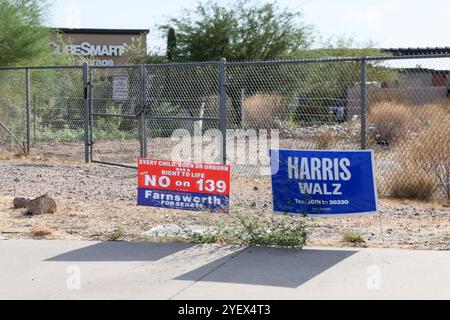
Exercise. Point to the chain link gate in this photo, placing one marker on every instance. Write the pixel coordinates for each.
(138, 108)
(115, 124)
(185, 100)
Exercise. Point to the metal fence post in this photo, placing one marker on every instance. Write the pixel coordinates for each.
(86, 113)
(143, 116)
(91, 116)
(223, 108)
(363, 104)
(27, 79)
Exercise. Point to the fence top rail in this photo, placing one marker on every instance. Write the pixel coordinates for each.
(159, 65)
(231, 63)
(120, 66)
(184, 64)
(291, 61)
(341, 59)
(410, 57)
(41, 67)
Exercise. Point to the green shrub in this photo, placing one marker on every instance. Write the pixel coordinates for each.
(64, 135)
(110, 123)
(353, 237)
(252, 229)
(116, 234)
(165, 128)
(312, 112)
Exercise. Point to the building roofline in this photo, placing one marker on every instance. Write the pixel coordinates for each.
(102, 31)
(417, 69)
(416, 51)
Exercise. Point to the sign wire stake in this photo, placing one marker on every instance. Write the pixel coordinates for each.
(381, 228)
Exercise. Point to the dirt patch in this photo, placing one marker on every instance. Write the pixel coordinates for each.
(95, 200)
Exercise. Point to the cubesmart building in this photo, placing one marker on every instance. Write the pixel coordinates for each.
(105, 47)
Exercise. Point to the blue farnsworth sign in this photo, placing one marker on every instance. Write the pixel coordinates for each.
(323, 182)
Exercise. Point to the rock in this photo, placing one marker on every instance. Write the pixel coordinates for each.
(41, 205)
(20, 202)
(3, 238)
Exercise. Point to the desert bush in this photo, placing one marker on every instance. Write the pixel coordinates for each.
(159, 128)
(431, 114)
(41, 231)
(324, 140)
(262, 110)
(412, 183)
(252, 229)
(390, 122)
(430, 151)
(353, 237)
(424, 159)
(116, 234)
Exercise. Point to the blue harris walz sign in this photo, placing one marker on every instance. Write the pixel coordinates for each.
(323, 182)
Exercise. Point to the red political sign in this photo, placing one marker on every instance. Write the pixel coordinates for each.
(183, 185)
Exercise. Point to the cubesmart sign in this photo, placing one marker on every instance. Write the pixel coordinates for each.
(323, 183)
(183, 185)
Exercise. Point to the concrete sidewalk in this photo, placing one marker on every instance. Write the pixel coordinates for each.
(120, 270)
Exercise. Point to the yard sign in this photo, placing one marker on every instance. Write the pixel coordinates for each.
(183, 185)
(323, 183)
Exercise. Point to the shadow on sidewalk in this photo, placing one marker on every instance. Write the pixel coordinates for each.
(122, 251)
(270, 267)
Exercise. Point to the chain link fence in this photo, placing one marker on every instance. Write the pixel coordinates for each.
(56, 112)
(41, 110)
(13, 123)
(397, 106)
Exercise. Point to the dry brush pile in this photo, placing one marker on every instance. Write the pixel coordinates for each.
(417, 139)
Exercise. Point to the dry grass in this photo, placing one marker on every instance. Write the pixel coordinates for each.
(425, 158)
(421, 135)
(7, 155)
(377, 96)
(431, 114)
(324, 140)
(412, 183)
(430, 152)
(41, 231)
(390, 122)
(262, 110)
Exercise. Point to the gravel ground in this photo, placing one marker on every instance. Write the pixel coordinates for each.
(94, 200)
